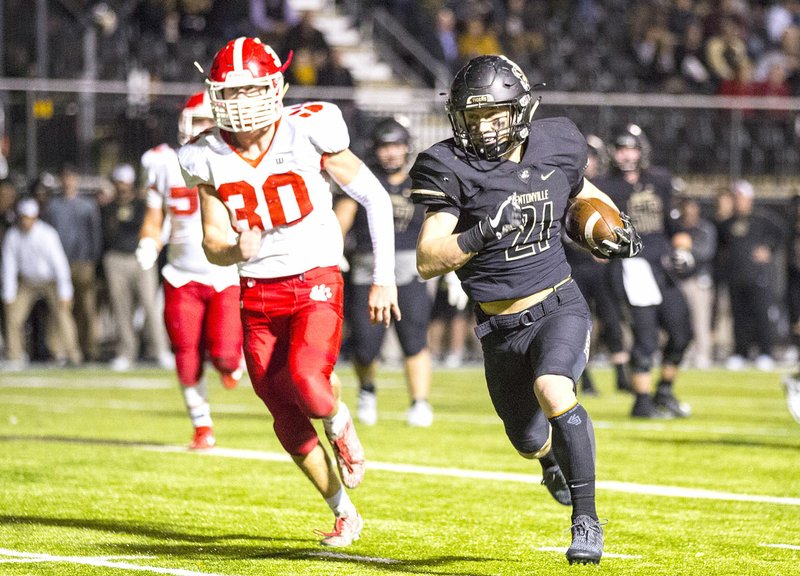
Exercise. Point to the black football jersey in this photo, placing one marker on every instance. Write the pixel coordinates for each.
(648, 203)
(445, 178)
(408, 217)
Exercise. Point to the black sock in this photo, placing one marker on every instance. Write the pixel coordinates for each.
(573, 447)
(548, 461)
(664, 387)
(586, 380)
(622, 377)
(368, 387)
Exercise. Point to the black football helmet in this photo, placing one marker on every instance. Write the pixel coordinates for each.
(632, 136)
(491, 82)
(390, 131)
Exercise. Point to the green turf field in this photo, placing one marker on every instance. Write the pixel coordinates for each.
(95, 481)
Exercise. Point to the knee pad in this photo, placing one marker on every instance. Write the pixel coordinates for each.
(533, 450)
(641, 364)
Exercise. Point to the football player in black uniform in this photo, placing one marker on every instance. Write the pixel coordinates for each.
(649, 281)
(496, 194)
(390, 145)
(593, 278)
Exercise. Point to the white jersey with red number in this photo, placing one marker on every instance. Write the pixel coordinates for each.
(283, 193)
(166, 190)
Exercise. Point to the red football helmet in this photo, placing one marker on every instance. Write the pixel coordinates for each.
(246, 62)
(197, 107)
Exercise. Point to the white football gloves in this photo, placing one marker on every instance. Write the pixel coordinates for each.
(147, 253)
(455, 293)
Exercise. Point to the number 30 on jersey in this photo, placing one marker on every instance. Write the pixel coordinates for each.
(282, 199)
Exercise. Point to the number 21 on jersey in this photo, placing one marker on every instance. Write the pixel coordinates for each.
(282, 199)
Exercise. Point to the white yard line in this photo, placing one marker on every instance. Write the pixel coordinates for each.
(493, 476)
(104, 383)
(785, 546)
(64, 404)
(99, 561)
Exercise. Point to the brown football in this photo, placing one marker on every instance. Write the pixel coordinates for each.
(589, 221)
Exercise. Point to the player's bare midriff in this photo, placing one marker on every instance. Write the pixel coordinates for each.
(516, 305)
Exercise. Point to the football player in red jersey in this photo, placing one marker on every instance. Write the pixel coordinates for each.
(496, 194)
(260, 171)
(201, 300)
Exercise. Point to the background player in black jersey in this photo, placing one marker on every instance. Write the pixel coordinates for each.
(390, 146)
(495, 195)
(649, 281)
(593, 278)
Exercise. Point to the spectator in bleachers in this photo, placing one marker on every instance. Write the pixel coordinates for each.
(477, 39)
(523, 32)
(35, 266)
(443, 44)
(690, 60)
(272, 18)
(750, 240)
(310, 50)
(129, 286)
(76, 218)
(726, 52)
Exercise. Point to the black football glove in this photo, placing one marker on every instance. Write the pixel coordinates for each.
(506, 218)
(628, 243)
(682, 262)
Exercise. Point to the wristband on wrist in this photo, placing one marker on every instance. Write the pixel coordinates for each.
(471, 240)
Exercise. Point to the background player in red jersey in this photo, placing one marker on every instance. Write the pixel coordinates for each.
(201, 300)
(261, 170)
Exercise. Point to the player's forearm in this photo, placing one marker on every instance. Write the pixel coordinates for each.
(438, 256)
(222, 253)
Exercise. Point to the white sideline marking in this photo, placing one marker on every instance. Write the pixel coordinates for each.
(126, 383)
(626, 487)
(786, 546)
(234, 408)
(605, 554)
(101, 561)
(340, 556)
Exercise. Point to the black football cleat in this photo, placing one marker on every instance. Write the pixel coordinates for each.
(668, 402)
(645, 407)
(587, 541)
(553, 479)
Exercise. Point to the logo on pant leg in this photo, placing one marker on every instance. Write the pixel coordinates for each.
(575, 420)
(321, 293)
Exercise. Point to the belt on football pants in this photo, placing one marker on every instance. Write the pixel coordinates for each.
(562, 292)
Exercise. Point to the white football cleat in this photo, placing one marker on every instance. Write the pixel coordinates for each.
(367, 407)
(420, 414)
(346, 530)
(791, 386)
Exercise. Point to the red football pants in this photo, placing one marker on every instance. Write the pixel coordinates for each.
(201, 320)
(292, 336)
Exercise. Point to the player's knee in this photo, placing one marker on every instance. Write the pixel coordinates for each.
(315, 396)
(227, 363)
(641, 363)
(530, 447)
(535, 454)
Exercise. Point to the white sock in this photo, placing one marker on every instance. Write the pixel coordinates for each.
(336, 423)
(341, 504)
(196, 404)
